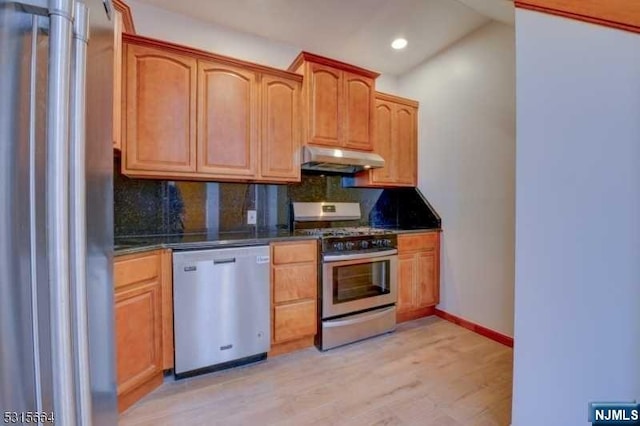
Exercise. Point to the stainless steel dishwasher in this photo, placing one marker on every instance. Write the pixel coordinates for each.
(221, 306)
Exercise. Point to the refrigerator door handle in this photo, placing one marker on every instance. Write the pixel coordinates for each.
(57, 211)
(78, 215)
(33, 228)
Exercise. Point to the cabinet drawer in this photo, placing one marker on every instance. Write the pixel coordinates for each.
(136, 268)
(417, 242)
(294, 321)
(305, 251)
(293, 282)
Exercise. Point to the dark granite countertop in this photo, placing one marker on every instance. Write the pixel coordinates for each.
(413, 230)
(138, 244)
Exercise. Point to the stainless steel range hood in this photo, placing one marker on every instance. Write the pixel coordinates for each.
(339, 160)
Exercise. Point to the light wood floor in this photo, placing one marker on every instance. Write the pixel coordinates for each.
(429, 372)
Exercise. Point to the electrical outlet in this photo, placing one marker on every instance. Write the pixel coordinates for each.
(252, 217)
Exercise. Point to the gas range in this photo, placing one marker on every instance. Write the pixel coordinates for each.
(358, 289)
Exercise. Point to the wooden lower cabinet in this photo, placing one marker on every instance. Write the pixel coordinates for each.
(144, 324)
(406, 282)
(418, 275)
(294, 280)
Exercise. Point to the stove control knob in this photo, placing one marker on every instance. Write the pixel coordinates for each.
(386, 242)
(364, 245)
(350, 245)
(338, 246)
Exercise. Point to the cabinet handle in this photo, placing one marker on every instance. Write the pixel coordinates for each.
(77, 211)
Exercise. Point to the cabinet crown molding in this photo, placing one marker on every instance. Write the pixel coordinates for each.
(619, 14)
(203, 54)
(312, 57)
(127, 16)
(397, 99)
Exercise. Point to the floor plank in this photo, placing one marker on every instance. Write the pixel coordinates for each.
(429, 372)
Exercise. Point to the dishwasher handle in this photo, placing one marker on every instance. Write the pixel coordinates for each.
(223, 261)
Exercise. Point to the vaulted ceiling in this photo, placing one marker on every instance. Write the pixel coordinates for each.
(357, 31)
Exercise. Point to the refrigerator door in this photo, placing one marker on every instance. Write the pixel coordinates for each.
(22, 45)
(56, 223)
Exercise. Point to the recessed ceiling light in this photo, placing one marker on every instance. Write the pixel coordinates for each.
(399, 43)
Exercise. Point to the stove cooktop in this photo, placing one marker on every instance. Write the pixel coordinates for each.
(359, 239)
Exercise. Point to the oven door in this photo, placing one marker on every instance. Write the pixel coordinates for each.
(355, 282)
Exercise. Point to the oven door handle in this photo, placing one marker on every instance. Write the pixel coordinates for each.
(356, 256)
(356, 319)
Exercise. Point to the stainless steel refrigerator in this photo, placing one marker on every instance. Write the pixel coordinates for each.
(56, 212)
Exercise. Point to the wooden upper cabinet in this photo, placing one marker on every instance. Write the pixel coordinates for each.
(227, 120)
(395, 138)
(383, 142)
(324, 103)
(117, 79)
(359, 108)
(280, 129)
(404, 163)
(160, 116)
(190, 114)
(338, 102)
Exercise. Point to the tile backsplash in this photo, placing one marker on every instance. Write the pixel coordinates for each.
(155, 207)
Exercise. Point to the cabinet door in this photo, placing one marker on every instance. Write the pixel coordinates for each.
(117, 79)
(227, 120)
(138, 338)
(427, 286)
(359, 97)
(323, 104)
(383, 142)
(280, 136)
(406, 282)
(294, 321)
(160, 111)
(405, 146)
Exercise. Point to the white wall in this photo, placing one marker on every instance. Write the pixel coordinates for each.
(577, 316)
(158, 23)
(466, 169)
